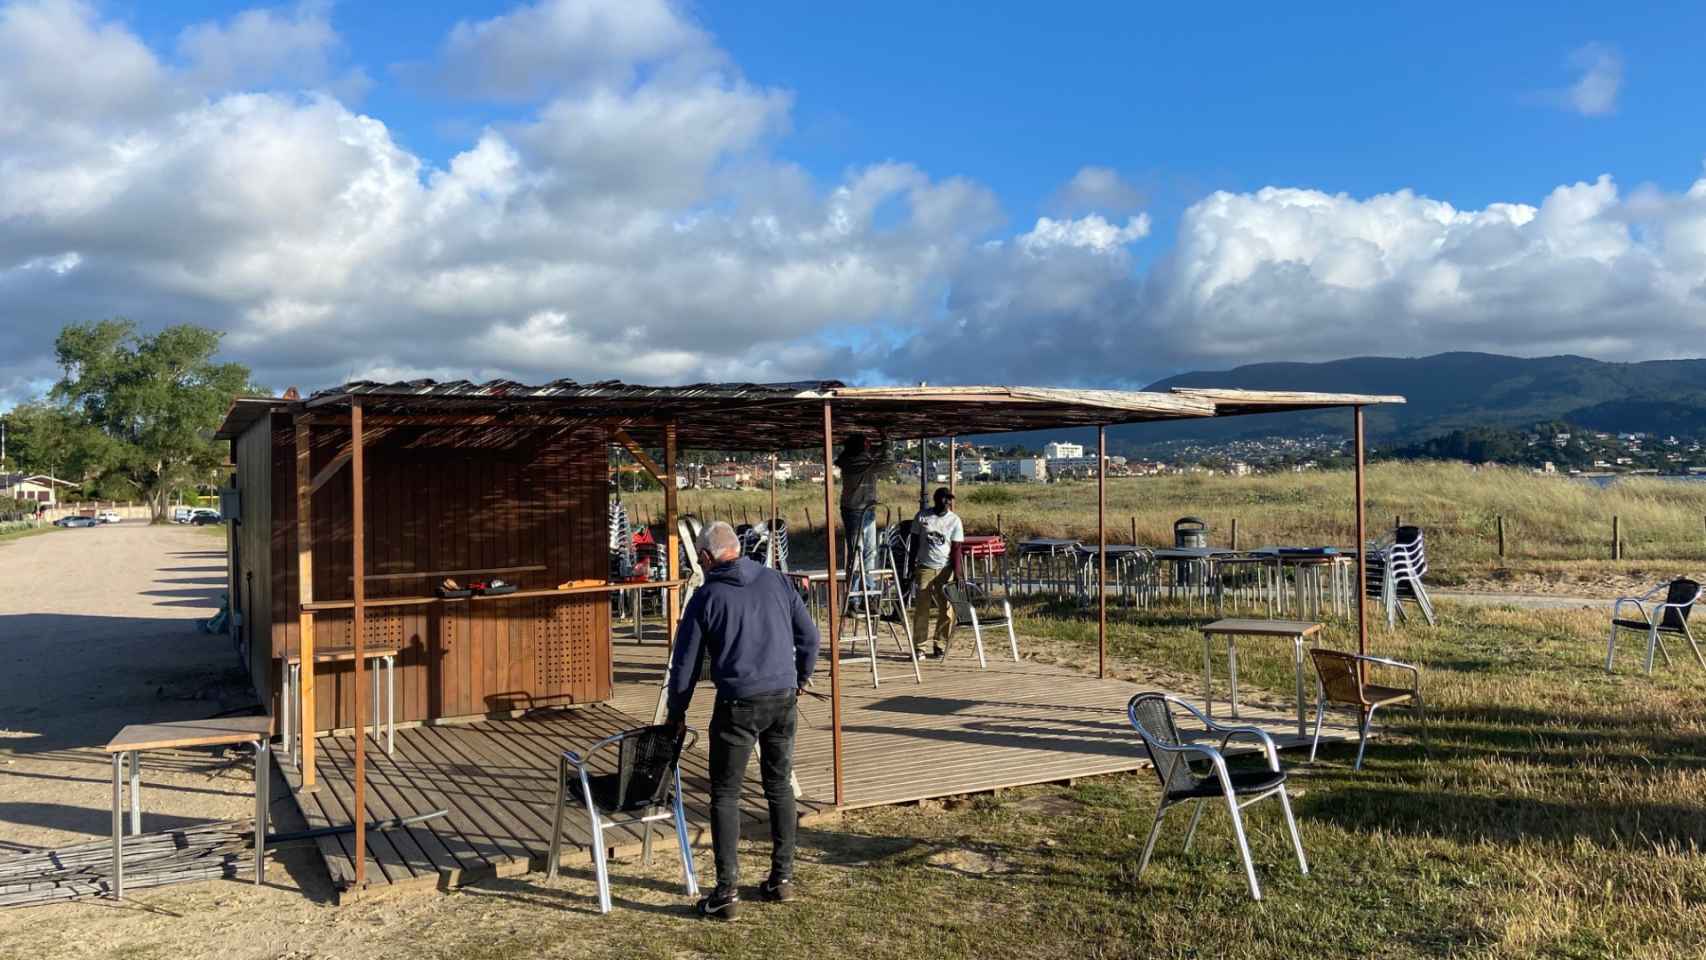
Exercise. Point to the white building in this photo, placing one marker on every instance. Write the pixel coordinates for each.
(38, 488)
(1031, 469)
(970, 468)
(1062, 451)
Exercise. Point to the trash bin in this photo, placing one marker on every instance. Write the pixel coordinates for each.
(1189, 532)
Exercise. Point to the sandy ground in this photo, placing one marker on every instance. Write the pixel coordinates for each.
(97, 630)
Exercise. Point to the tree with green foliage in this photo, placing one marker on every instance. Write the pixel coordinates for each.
(151, 402)
(44, 438)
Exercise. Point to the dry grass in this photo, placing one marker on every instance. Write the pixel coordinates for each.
(1556, 528)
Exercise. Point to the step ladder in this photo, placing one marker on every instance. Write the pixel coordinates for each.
(871, 597)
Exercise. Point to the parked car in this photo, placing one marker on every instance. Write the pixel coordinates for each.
(182, 514)
(108, 516)
(76, 522)
(204, 516)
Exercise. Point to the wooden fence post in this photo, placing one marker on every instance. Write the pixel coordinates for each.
(1616, 537)
(1234, 533)
(809, 527)
(1501, 536)
(1134, 530)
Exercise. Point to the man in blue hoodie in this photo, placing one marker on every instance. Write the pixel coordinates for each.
(762, 645)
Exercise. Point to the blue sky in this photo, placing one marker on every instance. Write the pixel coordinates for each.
(559, 178)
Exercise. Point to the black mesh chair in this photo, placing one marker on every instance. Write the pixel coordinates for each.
(1669, 617)
(647, 777)
(965, 614)
(1151, 715)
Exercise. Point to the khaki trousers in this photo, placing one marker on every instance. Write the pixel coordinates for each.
(931, 587)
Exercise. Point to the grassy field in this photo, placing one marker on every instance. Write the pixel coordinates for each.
(1555, 813)
(18, 531)
(1555, 527)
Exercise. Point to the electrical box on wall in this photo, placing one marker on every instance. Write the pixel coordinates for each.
(230, 504)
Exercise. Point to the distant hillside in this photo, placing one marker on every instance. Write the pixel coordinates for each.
(1451, 391)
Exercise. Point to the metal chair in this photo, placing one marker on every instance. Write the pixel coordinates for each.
(966, 614)
(1669, 617)
(1151, 714)
(1341, 683)
(1395, 571)
(647, 776)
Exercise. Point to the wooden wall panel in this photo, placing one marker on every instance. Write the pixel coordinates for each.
(436, 503)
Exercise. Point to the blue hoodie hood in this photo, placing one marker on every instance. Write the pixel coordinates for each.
(751, 624)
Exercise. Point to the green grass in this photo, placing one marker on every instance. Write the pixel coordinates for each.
(1556, 813)
(10, 531)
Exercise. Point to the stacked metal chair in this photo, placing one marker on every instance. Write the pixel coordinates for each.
(1395, 570)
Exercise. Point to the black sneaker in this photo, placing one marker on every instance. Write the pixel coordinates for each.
(719, 906)
(776, 891)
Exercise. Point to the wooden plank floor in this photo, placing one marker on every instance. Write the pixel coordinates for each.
(963, 730)
(497, 779)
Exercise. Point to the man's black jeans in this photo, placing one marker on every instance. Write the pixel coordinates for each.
(736, 725)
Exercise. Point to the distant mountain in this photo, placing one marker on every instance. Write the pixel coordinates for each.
(1451, 391)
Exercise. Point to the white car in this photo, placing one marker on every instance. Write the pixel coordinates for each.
(182, 514)
(108, 516)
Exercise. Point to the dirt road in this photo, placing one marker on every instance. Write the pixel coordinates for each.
(97, 630)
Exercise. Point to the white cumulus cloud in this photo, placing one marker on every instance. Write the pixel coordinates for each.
(633, 215)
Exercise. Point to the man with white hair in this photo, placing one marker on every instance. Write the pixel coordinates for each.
(762, 645)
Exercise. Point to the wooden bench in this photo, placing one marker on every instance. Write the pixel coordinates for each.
(128, 745)
(295, 725)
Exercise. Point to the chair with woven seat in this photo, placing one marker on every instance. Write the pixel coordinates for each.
(647, 777)
(1341, 683)
(965, 614)
(1151, 714)
(1669, 617)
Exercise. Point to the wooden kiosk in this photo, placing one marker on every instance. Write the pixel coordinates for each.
(356, 502)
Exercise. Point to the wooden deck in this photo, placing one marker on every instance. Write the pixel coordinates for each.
(963, 730)
(497, 779)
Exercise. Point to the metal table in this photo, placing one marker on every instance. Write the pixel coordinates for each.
(1232, 629)
(137, 737)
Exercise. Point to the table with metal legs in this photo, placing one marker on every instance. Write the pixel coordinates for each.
(127, 748)
(1296, 630)
(293, 725)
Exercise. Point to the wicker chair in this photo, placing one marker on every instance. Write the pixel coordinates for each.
(1669, 617)
(1342, 684)
(1151, 714)
(965, 614)
(647, 776)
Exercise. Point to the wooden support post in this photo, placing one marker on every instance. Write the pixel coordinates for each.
(831, 607)
(358, 569)
(1361, 544)
(1101, 552)
(671, 538)
(1501, 536)
(923, 472)
(305, 719)
(953, 466)
(775, 555)
(1616, 537)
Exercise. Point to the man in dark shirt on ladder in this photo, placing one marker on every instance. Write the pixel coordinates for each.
(762, 645)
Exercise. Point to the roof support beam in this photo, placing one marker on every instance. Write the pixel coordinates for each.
(639, 453)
